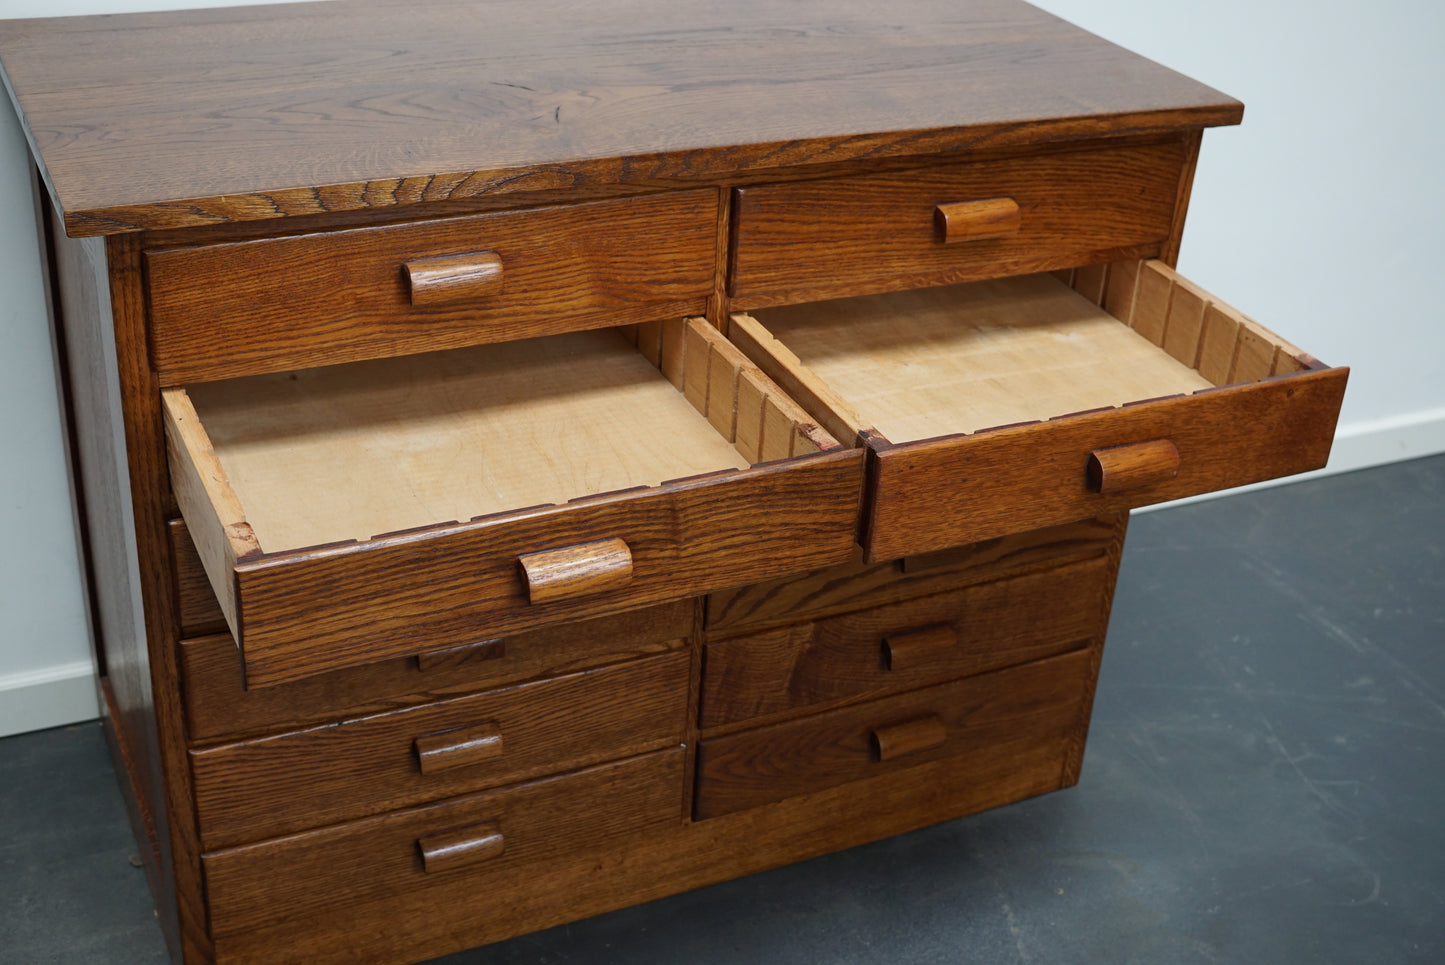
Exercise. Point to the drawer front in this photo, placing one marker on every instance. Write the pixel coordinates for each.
(312, 611)
(981, 718)
(857, 585)
(322, 775)
(959, 489)
(218, 705)
(274, 304)
(905, 645)
(828, 239)
(481, 843)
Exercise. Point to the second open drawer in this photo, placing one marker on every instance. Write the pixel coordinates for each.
(380, 509)
(1001, 406)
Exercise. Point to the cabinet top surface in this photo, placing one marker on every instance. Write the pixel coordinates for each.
(172, 120)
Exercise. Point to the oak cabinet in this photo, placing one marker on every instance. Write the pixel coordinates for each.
(534, 461)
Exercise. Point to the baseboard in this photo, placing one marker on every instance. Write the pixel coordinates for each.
(52, 697)
(1360, 445)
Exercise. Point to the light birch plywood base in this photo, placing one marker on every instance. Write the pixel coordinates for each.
(939, 361)
(354, 451)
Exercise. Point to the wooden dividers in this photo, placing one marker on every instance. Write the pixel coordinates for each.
(745, 406)
(1224, 345)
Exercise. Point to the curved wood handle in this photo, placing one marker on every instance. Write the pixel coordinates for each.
(577, 570)
(451, 658)
(909, 737)
(458, 748)
(913, 649)
(454, 849)
(454, 278)
(976, 220)
(1133, 466)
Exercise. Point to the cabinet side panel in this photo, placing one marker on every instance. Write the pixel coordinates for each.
(120, 482)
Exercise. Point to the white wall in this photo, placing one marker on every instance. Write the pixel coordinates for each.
(1320, 216)
(46, 665)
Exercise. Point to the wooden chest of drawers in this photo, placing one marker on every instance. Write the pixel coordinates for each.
(536, 459)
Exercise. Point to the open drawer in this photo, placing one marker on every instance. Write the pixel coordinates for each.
(385, 508)
(1007, 405)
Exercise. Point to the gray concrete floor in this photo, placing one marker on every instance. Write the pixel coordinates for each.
(1265, 782)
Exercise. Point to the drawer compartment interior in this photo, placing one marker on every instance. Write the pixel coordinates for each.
(546, 455)
(1033, 400)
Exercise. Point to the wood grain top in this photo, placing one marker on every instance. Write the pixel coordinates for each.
(171, 120)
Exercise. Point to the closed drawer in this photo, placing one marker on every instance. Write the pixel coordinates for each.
(825, 239)
(1018, 403)
(905, 645)
(225, 310)
(354, 513)
(983, 719)
(479, 844)
(856, 585)
(308, 778)
(218, 705)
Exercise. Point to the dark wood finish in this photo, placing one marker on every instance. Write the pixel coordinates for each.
(337, 772)
(1132, 466)
(273, 113)
(1036, 704)
(320, 609)
(811, 240)
(976, 220)
(857, 585)
(958, 489)
(990, 625)
(218, 705)
(284, 303)
(543, 822)
(574, 571)
(447, 279)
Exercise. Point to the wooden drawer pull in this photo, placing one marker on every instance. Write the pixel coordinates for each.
(454, 278)
(458, 748)
(910, 737)
(453, 657)
(913, 649)
(575, 571)
(1130, 467)
(976, 220)
(455, 849)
